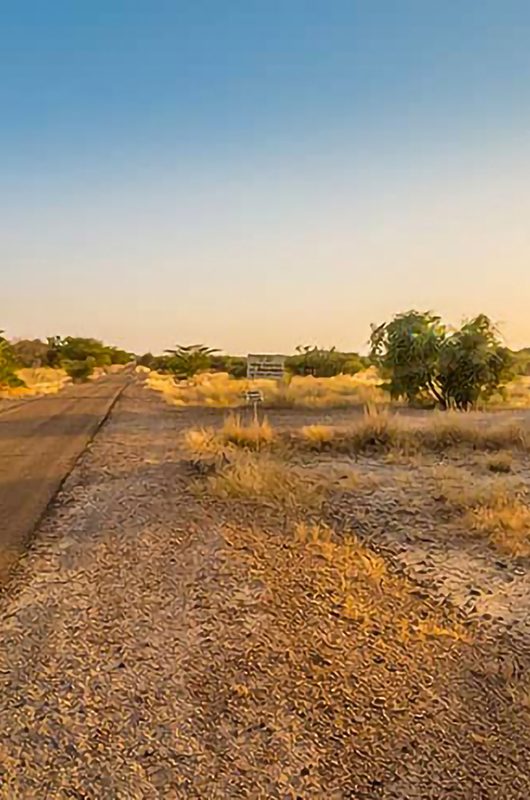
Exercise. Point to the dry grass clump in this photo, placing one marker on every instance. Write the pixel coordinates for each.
(203, 441)
(266, 478)
(340, 391)
(252, 435)
(37, 381)
(516, 394)
(319, 436)
(374, 430)
(382, 431)
(497, 507)
(222, 391)
(263, 475)
(234, 433)
(378, 431)
(451, 429)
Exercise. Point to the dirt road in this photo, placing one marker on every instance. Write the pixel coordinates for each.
(157, 642)
(40, 441)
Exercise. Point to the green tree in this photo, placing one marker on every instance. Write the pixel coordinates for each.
(406, 351)
(62, 351)
(473, 364)
(8, 364)
(423, 361)
(187, 360)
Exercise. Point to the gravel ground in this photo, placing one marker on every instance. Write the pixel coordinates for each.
(409, 528)
(158, 643)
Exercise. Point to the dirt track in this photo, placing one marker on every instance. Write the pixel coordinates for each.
(40, 441)
(156, 643)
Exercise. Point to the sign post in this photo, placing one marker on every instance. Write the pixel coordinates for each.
(264, 366)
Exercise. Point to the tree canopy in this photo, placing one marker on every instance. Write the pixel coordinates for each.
(423, 360)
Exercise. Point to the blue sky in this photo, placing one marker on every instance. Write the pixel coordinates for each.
(257, 174)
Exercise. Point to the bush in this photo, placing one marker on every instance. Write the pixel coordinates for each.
(323, 363)
(77, 348)
(79, 370)
(425, 362)
(8, 376)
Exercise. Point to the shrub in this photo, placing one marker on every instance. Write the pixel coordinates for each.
(322, 363)
(8, 376)
(423, 361)
(79, 371)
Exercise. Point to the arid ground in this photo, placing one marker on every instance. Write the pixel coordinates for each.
(328, 606)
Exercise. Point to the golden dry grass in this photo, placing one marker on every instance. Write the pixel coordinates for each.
(516, 394)
(41, 380)
(507, 525)
(380, 430)
(222, 391)
(254, 434)
(234, 433)
(203, 441)
(263, 477)
(319, 436)
(497, 507)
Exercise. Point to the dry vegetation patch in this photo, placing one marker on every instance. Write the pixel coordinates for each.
(219, 390)
(37, 381)
(381, 431)
(498, 507)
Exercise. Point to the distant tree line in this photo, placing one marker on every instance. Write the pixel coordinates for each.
(77, 355)
(421, 359)
(184, 361)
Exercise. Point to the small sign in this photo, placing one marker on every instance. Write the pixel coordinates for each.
(253, 396)
(265, 366)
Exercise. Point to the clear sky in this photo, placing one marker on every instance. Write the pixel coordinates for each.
(255, 174)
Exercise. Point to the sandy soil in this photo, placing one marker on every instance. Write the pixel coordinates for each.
(157, 642)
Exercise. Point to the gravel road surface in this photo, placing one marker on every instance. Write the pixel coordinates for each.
(40, 441)
(157, 643)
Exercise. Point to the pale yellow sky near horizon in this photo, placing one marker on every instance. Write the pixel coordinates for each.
(248, 259)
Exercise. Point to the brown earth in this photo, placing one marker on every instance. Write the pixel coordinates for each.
(159, 642)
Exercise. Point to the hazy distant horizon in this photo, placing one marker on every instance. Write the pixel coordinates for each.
(260, 175)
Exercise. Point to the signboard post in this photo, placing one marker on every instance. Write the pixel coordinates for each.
(264, 365)
(253, 398)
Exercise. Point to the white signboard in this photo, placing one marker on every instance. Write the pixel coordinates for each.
(265, 366)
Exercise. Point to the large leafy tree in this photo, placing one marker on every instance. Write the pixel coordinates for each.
(407, 351)
(423, 360)
(473, 363)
